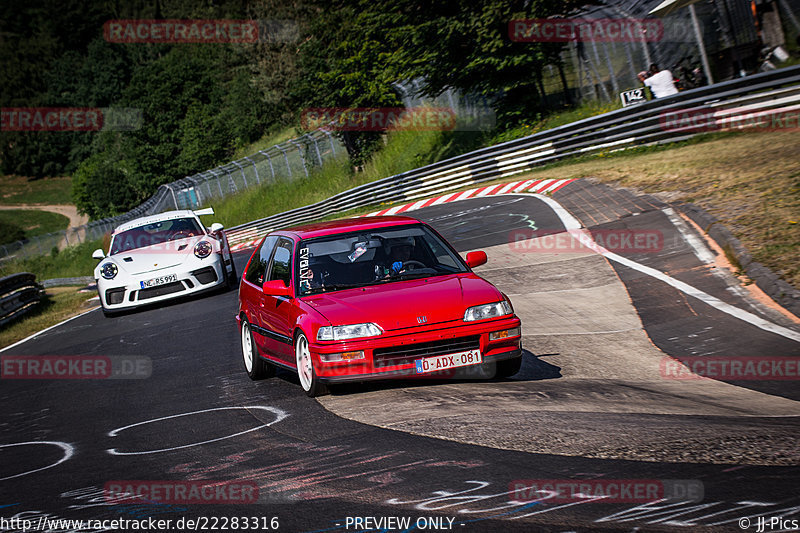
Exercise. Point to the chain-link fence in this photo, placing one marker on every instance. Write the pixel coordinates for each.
(733, 35)
(288, 160)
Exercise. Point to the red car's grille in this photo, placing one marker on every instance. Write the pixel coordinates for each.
(406, 354)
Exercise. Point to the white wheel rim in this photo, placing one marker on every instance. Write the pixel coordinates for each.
(303, 362)
(247, 347)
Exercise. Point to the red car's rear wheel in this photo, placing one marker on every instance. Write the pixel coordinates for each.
(257, 368)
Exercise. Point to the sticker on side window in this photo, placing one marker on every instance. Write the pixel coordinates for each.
(306, 274)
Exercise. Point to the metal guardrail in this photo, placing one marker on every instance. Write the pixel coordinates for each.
(626, 128)
(19, 293)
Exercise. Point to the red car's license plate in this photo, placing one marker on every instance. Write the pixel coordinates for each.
(443, 362)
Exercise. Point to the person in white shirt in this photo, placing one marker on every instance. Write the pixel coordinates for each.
(661, 82)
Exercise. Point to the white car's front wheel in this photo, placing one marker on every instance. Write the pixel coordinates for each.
(305, 368)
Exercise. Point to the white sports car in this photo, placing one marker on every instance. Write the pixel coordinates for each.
(162, 256)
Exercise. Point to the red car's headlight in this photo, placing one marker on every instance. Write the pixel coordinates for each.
(351, 331)
(494, 310)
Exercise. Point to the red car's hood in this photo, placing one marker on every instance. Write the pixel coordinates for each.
(157, 256)
(401, 304)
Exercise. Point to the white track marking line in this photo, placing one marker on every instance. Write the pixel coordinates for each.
(68, 449)
(571, 223)
(280, 414)
(700, 249)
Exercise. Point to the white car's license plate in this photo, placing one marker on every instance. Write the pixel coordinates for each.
(155, 282)
(443, 362)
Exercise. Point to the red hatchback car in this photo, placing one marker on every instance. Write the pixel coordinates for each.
(371, 298)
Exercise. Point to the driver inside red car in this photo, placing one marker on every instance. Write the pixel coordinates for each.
(398, 252)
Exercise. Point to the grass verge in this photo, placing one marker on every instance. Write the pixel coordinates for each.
(18, 190)
(67, 263)
(59, 304)
(34, 222)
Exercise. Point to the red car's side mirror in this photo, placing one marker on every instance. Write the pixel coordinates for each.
(475, 259)
(276, 288)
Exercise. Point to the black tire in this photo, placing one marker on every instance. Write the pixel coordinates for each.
(308, 378)
(255, 365)
(508, 367)
(232, 279)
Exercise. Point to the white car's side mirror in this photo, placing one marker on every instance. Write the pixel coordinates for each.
(98, 254)
(216, 227)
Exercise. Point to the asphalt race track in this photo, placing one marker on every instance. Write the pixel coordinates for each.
(594, 402)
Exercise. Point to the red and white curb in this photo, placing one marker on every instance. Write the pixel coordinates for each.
(245, 245)
(533, 186)
(530, 186)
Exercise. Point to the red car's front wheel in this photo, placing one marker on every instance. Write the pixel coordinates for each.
(305, 368)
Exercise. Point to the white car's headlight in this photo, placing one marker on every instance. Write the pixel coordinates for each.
(109, 270)
(352, 331)
(203, 249)
(480, 312)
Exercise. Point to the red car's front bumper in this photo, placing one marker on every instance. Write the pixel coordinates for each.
(393, 355)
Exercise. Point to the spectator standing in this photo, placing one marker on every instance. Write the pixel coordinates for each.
(661, 82)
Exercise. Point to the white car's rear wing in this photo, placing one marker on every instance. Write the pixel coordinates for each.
(206, 211)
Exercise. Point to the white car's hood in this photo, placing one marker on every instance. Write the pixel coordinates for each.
(157, 256)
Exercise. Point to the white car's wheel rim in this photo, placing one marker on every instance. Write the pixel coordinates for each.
(303, 362)
(247, 347)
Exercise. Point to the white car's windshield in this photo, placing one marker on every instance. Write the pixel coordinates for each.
(372, 257)
(155, 233)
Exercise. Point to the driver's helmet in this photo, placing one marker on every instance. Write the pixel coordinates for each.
(395, 242)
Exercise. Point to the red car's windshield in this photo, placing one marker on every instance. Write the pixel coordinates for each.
(378, 256)
(155, 233)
